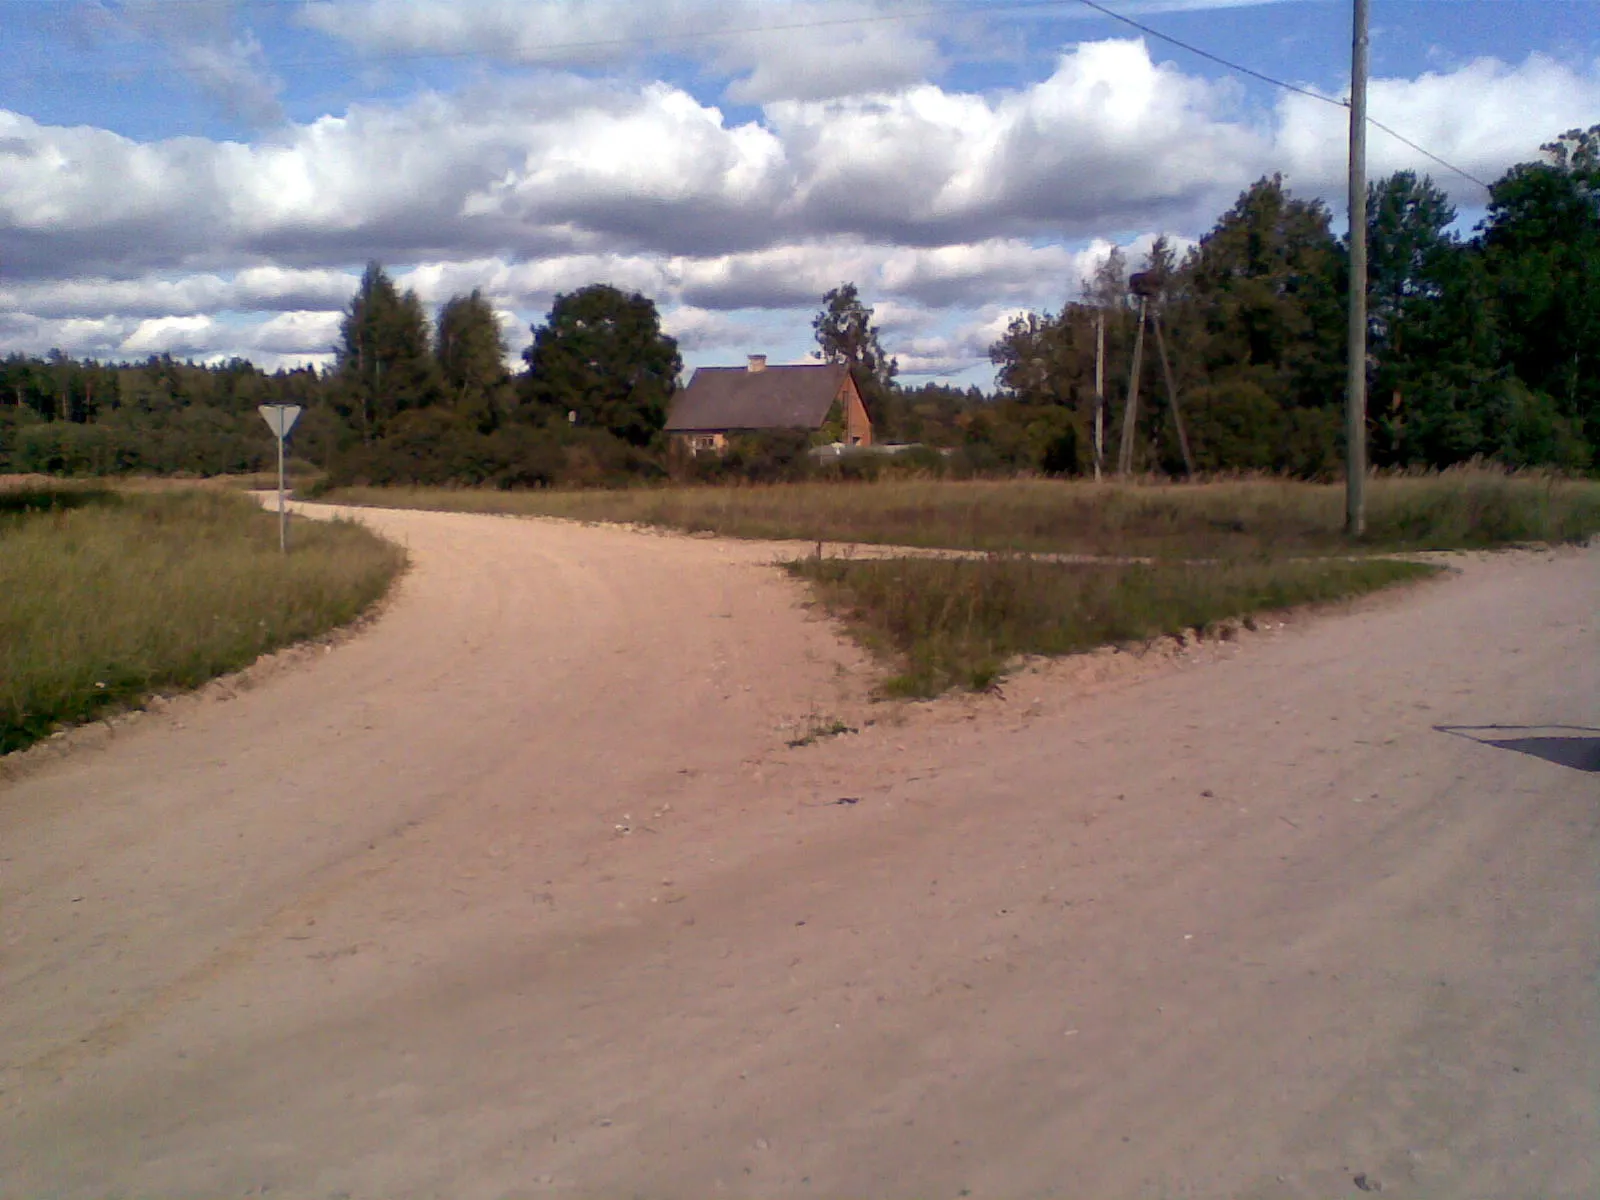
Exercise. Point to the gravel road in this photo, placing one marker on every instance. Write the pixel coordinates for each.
(523, 890)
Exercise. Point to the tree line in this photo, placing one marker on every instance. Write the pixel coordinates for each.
(1480, 347)
(414, 400)
(408, 400)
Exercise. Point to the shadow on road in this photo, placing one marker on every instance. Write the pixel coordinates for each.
(1575, 746)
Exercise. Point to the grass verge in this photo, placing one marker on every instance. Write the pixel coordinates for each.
(959, 622)
(1463, 508)
(106, 597)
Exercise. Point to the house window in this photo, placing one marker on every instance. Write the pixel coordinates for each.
(703, 441)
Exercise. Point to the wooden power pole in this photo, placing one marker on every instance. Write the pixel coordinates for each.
(1355, 507)
(1172, 394)
(1130, 411)
(1099, 391)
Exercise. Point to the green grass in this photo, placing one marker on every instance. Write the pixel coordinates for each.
(297, 475)
(959, 622)
(1459, 509)
(30, 498)
(109, 597)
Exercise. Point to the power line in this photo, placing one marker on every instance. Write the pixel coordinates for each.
(1279, 83)
(828, 22)
(1206, 54)
(548, 49)
(1450, 166)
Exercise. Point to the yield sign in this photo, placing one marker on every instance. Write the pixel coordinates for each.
(280, 418)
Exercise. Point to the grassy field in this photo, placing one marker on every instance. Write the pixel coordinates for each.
(107, 597)
(958, 622)
(1459, 509)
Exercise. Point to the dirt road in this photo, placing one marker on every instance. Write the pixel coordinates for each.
(523, 891)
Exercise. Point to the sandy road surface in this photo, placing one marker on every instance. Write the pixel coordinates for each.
(521, 891)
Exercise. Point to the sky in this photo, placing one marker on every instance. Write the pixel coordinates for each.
(207, 178)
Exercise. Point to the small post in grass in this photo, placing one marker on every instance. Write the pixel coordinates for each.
(280, 418)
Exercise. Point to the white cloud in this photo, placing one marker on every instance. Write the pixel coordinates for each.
(254, 289)
(285, 288)
(654, 168)
(898, 319)
(701, 330)
(809, 50)
(1000, 268)
(533, 286)
(584, 32)
(929, 199)
(285, 341)
(1483, 116)
(1111, 142)
(765, 51)
(199, 38)
(951, 353)
(179, 336)
(1111, 138)
(826, 61)
(91, 337)
(234, 73)
(298, 333)
(780, 276)
(146, 297)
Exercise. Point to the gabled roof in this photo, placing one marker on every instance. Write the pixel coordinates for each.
(720, 398)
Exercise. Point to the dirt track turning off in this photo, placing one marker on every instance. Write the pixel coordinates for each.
(523, 891)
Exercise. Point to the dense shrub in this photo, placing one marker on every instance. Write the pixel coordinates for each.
(65, 448)
(12, 422)
(434, 447)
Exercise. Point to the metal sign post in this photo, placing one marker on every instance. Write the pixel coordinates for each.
(280, 418)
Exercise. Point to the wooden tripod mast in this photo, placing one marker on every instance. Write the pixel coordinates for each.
(1148, 289)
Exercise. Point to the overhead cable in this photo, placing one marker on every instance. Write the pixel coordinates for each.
(876, 18)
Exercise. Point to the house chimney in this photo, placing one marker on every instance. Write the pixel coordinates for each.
(758, 362)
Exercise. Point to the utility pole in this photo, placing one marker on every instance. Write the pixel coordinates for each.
(1130, 412)
(1099, 391)
(1355, 505)
(1172, 394)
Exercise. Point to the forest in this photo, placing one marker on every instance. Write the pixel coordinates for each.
(1481, 347)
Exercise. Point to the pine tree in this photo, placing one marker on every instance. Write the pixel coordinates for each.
(1411, 259)
(471, 353)
(1541, 245)
(1266, 331)
(385, 366)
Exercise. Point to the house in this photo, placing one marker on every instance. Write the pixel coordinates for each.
(723, 401)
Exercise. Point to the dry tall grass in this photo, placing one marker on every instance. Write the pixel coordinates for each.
(1257, 517)
(106, 598)
(958, 622)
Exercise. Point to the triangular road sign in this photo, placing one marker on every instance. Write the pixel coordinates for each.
(280, 418)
